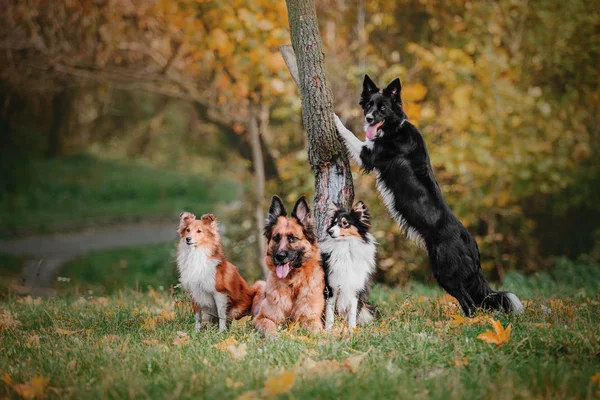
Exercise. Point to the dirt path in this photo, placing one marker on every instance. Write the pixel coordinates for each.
(45, 255)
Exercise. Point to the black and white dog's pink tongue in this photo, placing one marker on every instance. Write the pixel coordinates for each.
(282, 270)
(372, 130)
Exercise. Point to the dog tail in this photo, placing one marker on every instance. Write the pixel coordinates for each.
(258, 294)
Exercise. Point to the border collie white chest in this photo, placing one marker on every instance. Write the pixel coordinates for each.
(348, 257)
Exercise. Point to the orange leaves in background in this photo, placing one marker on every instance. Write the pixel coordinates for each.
(235, 349)
(34, 389)
(458, 320)
(279, 384)
(499, 336)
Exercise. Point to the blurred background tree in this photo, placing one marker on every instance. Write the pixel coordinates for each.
(121, 110)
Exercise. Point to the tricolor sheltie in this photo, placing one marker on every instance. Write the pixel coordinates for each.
(217, 289)
(295, 285)
(348, 258)
(396, 151)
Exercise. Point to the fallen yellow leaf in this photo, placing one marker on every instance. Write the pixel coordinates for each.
(242, 322)
(230, 383)
(237, 351)
(460, 362)
(354, 361)
(151, 342)
(230, 341)
(64, 331)
(34, 389)
(594, 378)
(149, 324)
(6, 378)
(540, 324)
(181, 341)
(276, 385)
(167, 315)
(499, 336)
(33, 341)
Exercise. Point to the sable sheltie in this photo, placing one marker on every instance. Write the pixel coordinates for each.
(396, 151)
(348, 259)
(217, 289)
(295, 285)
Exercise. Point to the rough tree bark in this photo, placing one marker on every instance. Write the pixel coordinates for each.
(254, 129)
(326, 154)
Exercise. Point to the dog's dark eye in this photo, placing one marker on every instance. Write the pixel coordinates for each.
(198, 231)
(382, 108)
(277, 238)
(344, 224)
(292, 239)
(188, 229)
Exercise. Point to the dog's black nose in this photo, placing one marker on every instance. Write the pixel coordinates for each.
(188, 239)
(330, 231)
(369, 118)
(279, 257)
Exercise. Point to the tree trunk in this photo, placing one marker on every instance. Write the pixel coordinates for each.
(326, 154)
(59, 108)
(259, 182)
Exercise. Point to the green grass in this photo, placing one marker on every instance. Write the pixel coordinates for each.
(93, 347)
(10, 268)
(77, 191)
(108, 271)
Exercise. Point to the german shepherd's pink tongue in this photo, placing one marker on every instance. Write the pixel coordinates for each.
(372, 130)
(282, 270)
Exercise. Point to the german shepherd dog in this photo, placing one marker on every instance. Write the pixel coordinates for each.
(348, 258)
(295, 285)
(396, 151)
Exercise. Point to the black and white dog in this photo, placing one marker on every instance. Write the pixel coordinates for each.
(396, 151)
(348, 258)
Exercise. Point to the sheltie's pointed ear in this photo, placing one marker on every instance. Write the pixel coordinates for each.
(362, 212)
(276, 210)
(184, 220)
(369, 88)
(209, 219)
(393, 91)
(331, 210)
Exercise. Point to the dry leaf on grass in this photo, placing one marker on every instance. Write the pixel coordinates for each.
(30, 300)
(7, 321)
(149, 324)
(241, 323)
(230, 383)
(33, 341)
(458, 320)
(278, 384)
(460, 362)
(235, 349)
(66, 332)
(354, 361)
(151, 342)
(540, 324)
(594, 378)
(167, 315)
(181, 341)
(499, 336)
(34, 389)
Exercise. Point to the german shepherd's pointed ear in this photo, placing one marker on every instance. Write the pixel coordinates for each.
(393, 91)
(302, 214)
(363, 213)
(369, 88)
(184, 220)
(276, 210)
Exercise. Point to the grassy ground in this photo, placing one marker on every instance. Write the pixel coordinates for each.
(133, 344)
(10, 267)
(75, 192)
